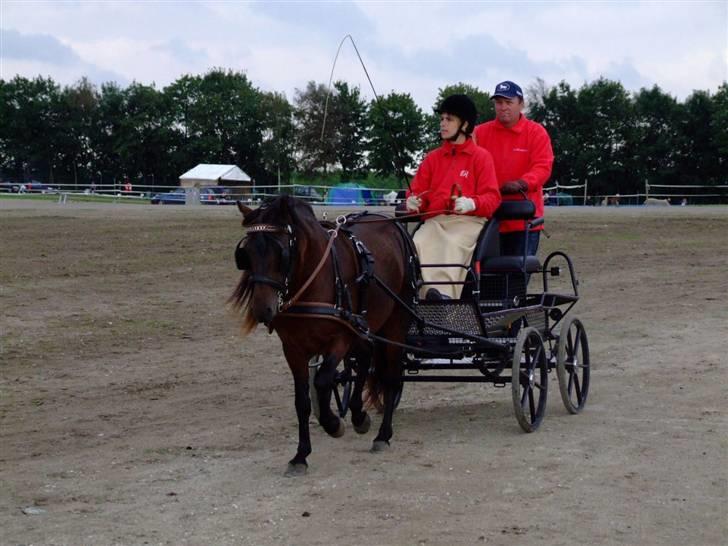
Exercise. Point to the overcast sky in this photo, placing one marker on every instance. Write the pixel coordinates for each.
(410, 47)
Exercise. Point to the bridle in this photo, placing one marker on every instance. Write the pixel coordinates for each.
(242, 260)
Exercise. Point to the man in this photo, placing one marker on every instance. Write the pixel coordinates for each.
(458, 177)
(523, 158)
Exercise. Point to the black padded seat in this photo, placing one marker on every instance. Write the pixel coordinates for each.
(509, 264)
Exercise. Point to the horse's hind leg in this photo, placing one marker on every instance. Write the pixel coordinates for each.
(359, 418)
(388, 362)
(324, 385)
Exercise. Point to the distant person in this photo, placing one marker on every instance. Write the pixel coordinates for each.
(457, 184)
(92, 188)
(127, 186)
(523, 158)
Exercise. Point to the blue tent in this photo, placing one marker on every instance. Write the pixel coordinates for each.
(349, 194)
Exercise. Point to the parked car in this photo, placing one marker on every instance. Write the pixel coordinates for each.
(308, 193)
(10, 187)
(174, 197)
(216, 195)
(559, 199)
(35, 186)
(213, 195)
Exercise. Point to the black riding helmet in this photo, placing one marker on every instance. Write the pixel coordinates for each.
(464, 108)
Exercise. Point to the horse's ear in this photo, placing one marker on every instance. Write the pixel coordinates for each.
(243, 209)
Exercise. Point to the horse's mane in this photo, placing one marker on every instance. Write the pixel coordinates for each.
(281, 210)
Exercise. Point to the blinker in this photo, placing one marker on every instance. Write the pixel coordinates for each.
(242, 258)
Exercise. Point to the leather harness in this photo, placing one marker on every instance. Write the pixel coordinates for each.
(342, 309)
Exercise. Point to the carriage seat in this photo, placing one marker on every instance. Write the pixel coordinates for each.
(487, 250)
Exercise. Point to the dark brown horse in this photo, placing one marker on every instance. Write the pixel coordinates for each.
(338, 299)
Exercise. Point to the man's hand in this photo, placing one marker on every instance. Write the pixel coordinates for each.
(414, 203)
(463, 205)
(514, 186)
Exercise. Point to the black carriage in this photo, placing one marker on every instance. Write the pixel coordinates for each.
(497, 330)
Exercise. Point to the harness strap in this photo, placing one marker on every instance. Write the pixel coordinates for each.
(321, 263)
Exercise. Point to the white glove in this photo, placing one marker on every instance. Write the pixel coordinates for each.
(464, 205)
(414, 203)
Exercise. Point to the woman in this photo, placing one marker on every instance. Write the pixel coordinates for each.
(456, 184)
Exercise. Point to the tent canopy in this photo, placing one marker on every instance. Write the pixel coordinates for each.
(349, 194)
(210, 175)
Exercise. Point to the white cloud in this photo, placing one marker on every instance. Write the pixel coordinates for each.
(414, 47)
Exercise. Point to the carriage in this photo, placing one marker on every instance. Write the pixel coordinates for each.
(342, 297)
(496, 330)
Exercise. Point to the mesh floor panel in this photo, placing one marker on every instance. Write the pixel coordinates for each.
(455, 315)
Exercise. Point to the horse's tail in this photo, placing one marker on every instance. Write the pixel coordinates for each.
(239, 301)
(374, 392)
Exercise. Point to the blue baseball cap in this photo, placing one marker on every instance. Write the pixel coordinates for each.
(508, 90)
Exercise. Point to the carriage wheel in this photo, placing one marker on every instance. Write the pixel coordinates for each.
(529, 381)
(572, 365)
(343, 385)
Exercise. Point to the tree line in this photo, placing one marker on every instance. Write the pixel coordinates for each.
(601, 133)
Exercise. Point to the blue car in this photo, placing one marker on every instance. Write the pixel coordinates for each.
(174, 197)
(214, 195)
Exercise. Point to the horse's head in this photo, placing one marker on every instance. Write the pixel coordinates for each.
(267, 255)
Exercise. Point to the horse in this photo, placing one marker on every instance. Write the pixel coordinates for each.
(324, 293)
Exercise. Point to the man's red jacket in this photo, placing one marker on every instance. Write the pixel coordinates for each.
(452, 168)
(522, 152)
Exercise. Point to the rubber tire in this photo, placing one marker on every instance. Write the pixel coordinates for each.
(572, 342)
(529, 341)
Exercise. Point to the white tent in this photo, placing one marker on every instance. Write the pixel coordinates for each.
(211, 175)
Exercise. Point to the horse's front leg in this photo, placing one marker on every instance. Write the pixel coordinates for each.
(324, 385)
(299, 368)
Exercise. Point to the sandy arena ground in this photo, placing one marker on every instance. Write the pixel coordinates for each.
(132, 412)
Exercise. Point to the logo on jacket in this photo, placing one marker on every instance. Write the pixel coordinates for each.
(520, 149)
(464, 173)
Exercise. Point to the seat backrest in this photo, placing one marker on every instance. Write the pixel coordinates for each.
(488, 245)
(523, 209)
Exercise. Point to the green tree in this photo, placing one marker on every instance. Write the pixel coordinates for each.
(316, 138)
(557, 109)
(700, 160)
(77, 135)
(396, 136)
(277, 146)
(350, 123)
(218, 114)
(29, 125)
(656, 140)
(719, 127)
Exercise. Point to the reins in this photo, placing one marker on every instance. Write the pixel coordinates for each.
(333, 233)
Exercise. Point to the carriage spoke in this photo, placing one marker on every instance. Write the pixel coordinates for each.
(577, 344)
(569, 344)
(577, 388)
(531, 405)
(526, 390)
(571, 381)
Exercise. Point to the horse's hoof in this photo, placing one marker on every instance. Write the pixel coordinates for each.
(294, 470)
(363, 427)
(339, 432)
(379, 445)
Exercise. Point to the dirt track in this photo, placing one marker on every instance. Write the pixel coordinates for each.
(131, 412)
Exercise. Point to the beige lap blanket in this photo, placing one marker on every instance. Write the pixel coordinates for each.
(447, 239)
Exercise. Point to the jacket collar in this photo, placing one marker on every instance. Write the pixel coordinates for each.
(467, 147)
(517, 128)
